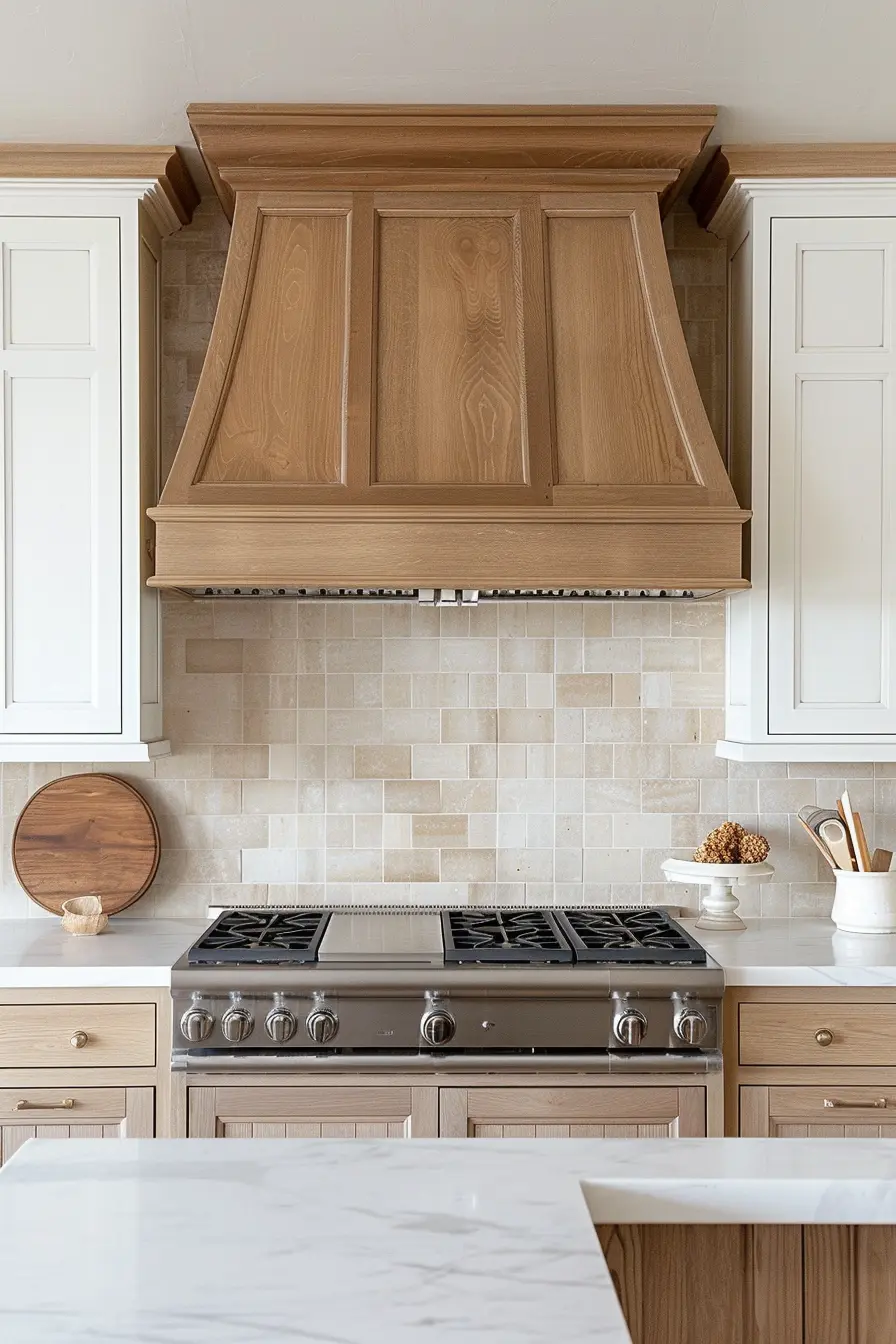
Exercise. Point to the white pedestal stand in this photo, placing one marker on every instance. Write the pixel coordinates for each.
(718, 908)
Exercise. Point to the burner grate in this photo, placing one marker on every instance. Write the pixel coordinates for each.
(646, 936)
(528, 936)
(241, 937)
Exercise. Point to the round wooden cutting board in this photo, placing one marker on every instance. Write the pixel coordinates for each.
(86, 834)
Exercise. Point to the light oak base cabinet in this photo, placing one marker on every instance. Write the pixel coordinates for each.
(572, 1112)
(431, 1107)
(73, 1113)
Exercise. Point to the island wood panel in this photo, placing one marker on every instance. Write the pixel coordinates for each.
(450, 364)
(776, 1034)
(283, 413)
(47, 1035)
(760, 1284)
(297, 1111)
(95, 1113)
(572, 1112)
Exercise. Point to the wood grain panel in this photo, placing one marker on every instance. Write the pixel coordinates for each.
(875, 1257)
(829, 1285)
(566, 1105)
(775, 1034)
(450, 382)
(283, 417)
(98, 1113)
(294, 1111)
(615, 422)
(40, 1037)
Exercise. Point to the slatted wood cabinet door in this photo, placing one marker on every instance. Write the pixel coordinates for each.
(572, 1112)
(73, 1113)
(308, 1112)
(828, 1112)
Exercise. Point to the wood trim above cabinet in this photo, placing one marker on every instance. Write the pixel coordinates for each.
(163, 162)
(732, 162)
(253, 146)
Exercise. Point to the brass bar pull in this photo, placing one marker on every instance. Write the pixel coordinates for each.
(879, 1104)
(65, 1105)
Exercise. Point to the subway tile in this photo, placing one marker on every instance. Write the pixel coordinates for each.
(270, 655)
(612, 725)
(597, 619)
(525, 725)
(411, 865)
(612, 655)
(386, 762)
(590, 690)
(411, 655)
(269, 795)
(670, 795)
(525, 865)
(214, 655)
(269, 865)
(671, 655)
(671, 725)
(354, 865)
(415, 795)
(445, 761)
(468, 655)
(525, 655)
(438, 830)
(355, 795)
(466, 865)
(444, 690)
(469, 795)
(412, 726)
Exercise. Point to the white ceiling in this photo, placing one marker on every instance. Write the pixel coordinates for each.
(124, 70)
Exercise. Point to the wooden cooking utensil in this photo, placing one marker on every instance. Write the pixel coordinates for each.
(819, 844)
(844, 807)
(863, 854)
(86, 835)
(881, 860)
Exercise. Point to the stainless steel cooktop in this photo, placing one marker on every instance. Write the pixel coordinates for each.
(357, 988)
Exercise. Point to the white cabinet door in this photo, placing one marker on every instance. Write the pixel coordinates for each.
(832, 477)
(61, 516)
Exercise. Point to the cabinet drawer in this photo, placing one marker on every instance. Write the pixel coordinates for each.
(48, 1036)
(48, 1104)
(834, 1105)
(791, 1033)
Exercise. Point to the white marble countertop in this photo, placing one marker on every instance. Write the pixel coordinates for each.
(353, 1242)
(800, 952)
(131, 953)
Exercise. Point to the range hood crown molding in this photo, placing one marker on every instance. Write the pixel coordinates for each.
(447, 354)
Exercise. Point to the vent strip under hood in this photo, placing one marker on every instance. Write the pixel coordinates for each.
(447, 357)
(450, 597)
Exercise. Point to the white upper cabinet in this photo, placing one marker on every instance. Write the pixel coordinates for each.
(812, 445)
(79, 630)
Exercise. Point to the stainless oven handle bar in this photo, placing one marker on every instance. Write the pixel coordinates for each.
(617, 1062)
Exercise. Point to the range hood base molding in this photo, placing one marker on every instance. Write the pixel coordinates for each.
(195, 548)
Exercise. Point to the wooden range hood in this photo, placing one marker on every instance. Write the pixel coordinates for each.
(447, 355)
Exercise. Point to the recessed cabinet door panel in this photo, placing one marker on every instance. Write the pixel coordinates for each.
(832, 453)
(284, 417)
(572, 1112)
(61, 519)
(452, 298)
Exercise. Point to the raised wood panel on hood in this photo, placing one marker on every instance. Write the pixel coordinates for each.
(450, 369)
(283, 419)
(615, 425)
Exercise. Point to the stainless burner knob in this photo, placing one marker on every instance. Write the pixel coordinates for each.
(196, 1024)
(691, 1026)
(437, 1026)
(280, 1025)
(322, 1025)
(237, 1024)
(629, 1028)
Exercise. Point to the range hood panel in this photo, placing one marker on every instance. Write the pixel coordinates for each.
(448, 386)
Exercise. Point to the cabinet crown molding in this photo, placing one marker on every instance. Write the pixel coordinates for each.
(157, 172)
(744, 168)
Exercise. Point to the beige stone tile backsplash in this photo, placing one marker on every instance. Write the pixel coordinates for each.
(515, 753)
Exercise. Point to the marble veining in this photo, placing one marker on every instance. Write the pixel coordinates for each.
(355, 1242)
(800, 952)
(132, 953)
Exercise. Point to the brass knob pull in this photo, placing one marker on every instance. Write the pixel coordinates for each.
(65, 1105)
(79, 1040)
(824, 1037)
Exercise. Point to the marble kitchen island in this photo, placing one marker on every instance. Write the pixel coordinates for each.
(213, 1242)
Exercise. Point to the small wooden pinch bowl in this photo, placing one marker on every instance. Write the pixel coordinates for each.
(83, 915)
